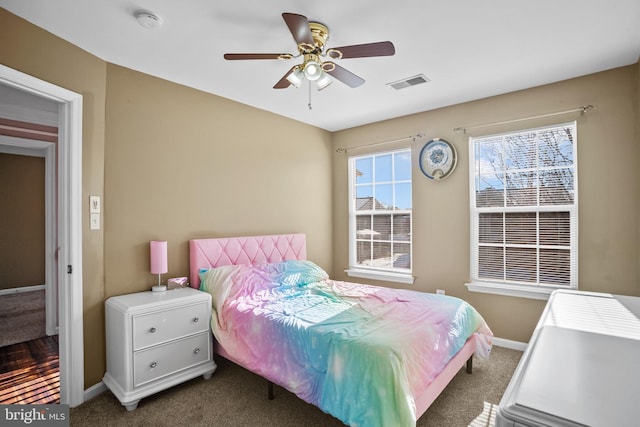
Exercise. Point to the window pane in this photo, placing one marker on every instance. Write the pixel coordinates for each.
(381, 255)
(555, 228)
(521, 228)
(383, 168)
(556, 187)
(490, 228)
(522, 264)
(363, 226)
(363, 252)
(384, 196)
(489, 157)
(364, 197)
(402, 228)
(520, 151)
(403, 195)
(382, 227)
(402, 166)
(555, 147)
(489, 191)
(402, 255)
(522, 189)
(555, 266)
(364, 170)
(490, 262)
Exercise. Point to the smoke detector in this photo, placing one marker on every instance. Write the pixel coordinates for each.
(148, 20)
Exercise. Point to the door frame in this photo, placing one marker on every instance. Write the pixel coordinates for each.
(69, 223)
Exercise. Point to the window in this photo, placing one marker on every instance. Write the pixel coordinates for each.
(524, 211)
(380, 216)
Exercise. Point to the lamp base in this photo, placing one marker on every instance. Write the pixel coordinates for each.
(159, 288)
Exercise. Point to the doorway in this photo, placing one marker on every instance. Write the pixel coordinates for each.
(29, 355)
(68, 224)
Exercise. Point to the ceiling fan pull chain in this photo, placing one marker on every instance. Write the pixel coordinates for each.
(309, 105)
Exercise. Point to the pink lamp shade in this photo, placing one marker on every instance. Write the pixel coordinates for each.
(158, 257)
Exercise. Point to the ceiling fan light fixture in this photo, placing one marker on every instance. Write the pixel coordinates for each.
(295, 77)
(324, 81)
(312, 70)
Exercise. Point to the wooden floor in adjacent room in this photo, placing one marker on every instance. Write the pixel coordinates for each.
(29, 372)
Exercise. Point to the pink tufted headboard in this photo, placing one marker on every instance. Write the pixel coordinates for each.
(209, 253)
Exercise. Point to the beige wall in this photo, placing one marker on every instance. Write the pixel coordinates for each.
(609, 178)
(183, 164)
(22, 224)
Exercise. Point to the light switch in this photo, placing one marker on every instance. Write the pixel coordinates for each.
(95, 221)
(94, 204)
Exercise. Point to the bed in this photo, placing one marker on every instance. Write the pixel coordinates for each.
(359, 352)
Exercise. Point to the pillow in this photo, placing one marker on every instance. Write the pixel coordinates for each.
(298, 273)
(288, 273)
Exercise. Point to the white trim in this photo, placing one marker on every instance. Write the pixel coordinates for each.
(94, 391)
(514, 345)
(23, 146)
(22, 289)
(381, 275)
(523, 291)
(69, 227)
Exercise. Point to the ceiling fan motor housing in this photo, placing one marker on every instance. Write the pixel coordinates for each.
(320, 35)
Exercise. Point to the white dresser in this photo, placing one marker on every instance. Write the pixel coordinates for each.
(581, 366)
(156, 340)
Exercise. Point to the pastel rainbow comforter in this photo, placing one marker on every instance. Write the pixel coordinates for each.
(358, 352)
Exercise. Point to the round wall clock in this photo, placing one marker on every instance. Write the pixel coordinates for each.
(437, 159)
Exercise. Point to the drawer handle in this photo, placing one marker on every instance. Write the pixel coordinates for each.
(153, 365)
(196, 320)
(152, 330)
(196, 351)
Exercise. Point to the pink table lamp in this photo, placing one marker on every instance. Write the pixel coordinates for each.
(159, 261)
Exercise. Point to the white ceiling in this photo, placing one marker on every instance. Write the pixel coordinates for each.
(468, 49)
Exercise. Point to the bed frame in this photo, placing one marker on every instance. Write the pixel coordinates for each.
(216, 252)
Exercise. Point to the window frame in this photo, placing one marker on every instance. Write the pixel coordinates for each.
(369, 272)
(535, 290)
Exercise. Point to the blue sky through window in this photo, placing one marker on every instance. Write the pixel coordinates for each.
(384, 177)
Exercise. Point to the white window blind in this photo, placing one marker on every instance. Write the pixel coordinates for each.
(380, 213)
(524, 207)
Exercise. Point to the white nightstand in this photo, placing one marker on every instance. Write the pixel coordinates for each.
(156, 340)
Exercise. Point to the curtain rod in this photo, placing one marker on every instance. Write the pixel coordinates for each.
(414, 137)
(583, 109)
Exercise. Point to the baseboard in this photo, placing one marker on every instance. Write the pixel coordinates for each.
(22, 289)
(514, 345)
(94, 390)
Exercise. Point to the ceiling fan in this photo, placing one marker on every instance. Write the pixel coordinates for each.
(311, 37)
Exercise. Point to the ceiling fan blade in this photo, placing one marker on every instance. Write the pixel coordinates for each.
(236, 56)
(299, 27)
(345, 76)
(283, 83)
(362, 50)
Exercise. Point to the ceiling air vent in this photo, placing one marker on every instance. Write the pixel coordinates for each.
(409, 81)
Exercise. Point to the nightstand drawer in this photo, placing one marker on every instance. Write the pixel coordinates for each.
(156, 362)
(154, 328)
